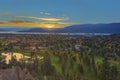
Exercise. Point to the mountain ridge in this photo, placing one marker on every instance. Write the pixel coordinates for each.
(78, 28)
(82, 28)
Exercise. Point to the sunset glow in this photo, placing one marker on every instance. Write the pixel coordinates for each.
(33, 21)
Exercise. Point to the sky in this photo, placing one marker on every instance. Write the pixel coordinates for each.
(57, 13)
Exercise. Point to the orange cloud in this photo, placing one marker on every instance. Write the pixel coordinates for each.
(45, 19)
(19, 21)
(43, 22)
(1, 22)
(51, 19)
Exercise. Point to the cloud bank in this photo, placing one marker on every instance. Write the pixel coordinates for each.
(34, 21)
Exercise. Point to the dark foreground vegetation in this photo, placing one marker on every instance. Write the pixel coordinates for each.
(61, 57)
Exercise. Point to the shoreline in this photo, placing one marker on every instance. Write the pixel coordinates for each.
(57, 33)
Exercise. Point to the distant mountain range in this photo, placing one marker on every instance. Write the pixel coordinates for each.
(80, 28)
(12, 29)
(92, 28)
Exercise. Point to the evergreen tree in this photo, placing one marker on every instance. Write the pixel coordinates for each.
(104, 70)
(113, 73)
(80, 68)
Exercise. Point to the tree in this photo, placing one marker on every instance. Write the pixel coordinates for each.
(104, 70)
(46, 67)
(94, 65)
(80, 68)
(113, 73)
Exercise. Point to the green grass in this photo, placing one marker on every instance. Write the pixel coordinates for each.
(55, 63)
(73, 70)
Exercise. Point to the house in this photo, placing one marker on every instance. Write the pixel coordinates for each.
(78, 47)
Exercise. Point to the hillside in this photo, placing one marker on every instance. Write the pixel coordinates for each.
(82, 28)
(15, 73)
